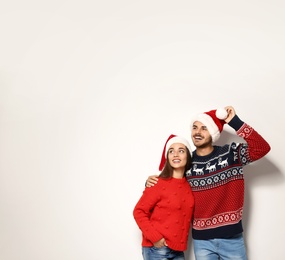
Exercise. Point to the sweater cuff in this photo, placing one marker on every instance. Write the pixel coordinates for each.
(236, 123)
(154, 237)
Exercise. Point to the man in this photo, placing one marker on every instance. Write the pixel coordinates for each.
(217, 182)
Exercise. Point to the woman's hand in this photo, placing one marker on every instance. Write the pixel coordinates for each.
(160, 243)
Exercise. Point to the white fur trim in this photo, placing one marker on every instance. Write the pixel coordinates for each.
(210, 124)
(179, 140)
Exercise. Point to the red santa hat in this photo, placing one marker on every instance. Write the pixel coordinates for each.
(214, 121)
(172, 139)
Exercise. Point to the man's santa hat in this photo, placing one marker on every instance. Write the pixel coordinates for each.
(172, 139)
(213, 120)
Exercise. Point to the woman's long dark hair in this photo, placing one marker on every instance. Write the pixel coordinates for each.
(167, 171)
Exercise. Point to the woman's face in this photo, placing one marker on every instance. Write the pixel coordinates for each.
(177, 155)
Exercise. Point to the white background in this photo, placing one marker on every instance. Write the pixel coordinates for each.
(90, 90)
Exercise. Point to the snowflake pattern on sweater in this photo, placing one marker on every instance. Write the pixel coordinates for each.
(217, 183)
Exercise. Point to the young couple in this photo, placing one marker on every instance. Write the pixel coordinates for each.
(213, 202)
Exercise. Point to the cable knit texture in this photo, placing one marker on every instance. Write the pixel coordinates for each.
(217, 183)
(165, 211)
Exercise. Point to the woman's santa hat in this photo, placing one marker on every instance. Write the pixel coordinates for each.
(213, 120)
(172, 139)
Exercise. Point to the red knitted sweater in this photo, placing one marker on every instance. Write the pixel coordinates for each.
(165, 211)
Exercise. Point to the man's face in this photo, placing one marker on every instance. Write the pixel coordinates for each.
(200, 135)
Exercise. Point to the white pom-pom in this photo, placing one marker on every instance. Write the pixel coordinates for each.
(221, 113)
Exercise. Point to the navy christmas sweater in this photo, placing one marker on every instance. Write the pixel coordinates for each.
(217, 183)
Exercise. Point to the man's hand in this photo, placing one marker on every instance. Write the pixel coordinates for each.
(231, 113)
(151, 181)
(160, 243)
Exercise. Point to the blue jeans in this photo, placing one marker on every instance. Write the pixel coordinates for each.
(162, 253)
(220, 249)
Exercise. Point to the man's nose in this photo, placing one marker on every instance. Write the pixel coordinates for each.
(196, 131)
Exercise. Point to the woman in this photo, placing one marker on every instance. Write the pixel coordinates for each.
(164, 211)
